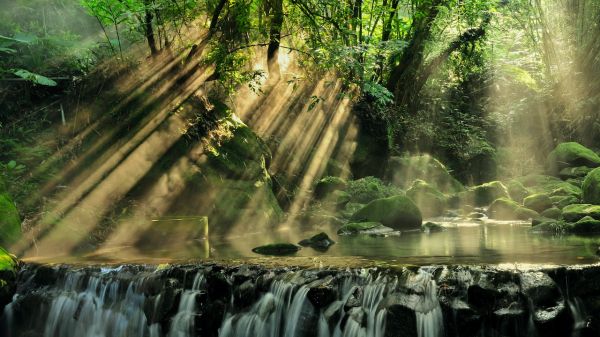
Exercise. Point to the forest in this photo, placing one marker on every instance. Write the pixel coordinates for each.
(295, 168)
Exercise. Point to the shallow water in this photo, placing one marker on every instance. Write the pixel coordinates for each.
(488, 242)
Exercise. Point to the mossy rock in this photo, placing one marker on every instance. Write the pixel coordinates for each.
(431, 227)
(552, 213)
(8, 262)
(402, 171)
(507, 209)
(351, 208)
(367, 228)
(516, 190)
(591, 187)
(399, 213)
(586, 225)
(571, 154)
(552, 226)
(562, 201)
(549, 185)
(485, 194)
(277, 249)
(574, 172)
(430, 200)
(10, 222)
(367, 189)
(8, 274)
(327, 185)
(320, 242)
(576, 212)
(538, 202)
(340, 198)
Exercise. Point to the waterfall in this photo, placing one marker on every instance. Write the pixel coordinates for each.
(183, 322)
(430, 319)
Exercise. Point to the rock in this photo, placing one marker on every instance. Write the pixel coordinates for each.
(598, 251)
(571, 154)
(327, 185)
(485, 194)
(591, 187)
(551, 226)
(370, 228)
(397, 212)
(574, 172)
(10, 222)
(367, 189)
(319, 242)
(537, 202)
(475, 215)
(516, 190)
(430, 201)
(552, 213)
(351, 208)
(277, 249)
(340, 198)
(506, 209)
(401, 171)
(575, 212)
(401, 318)
(586, 225)
(563, 201)
(549, 185)
(245, 294)
(322, 293)
(8, 275)
(430, 227)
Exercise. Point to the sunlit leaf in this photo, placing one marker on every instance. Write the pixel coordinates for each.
(35, 78)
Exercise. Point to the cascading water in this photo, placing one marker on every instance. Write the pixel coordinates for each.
(249, 301)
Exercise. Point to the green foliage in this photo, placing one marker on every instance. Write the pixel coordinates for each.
(367, 189)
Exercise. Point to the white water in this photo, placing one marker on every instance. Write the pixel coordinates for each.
(183, 322)
(430, 319)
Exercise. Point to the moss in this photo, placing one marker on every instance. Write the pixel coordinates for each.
(401, 171)
(430, 200)
(552, 226)
(586, 225)
(552, 213)
(483, 195)
(538, 202)
(10, 222)
(7, 261)
(572, 154)
(575, 212)
(574, 172)
(549, 185)
(562, 201)
(368, 189)
(397, 212)
(507, 209)
(327, 185)
(516, 190)
(591, 187)
(277, 249)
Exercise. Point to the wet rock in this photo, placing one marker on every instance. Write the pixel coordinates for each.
(322, 293)
(459, 318)
(401, 318)
(162, 305)
(431, 227)
(475, 215)
(320, 242)
(217, 285)
(397, 212)
(366, 228)
(245, 294)
(333, 313)
(277, 249)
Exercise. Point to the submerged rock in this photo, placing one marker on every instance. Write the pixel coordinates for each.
(591, 187)
(397, 212)
(319, 241)
(277, 249)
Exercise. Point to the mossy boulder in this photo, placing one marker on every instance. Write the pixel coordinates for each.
(507, 209)
(485, 194)
(398, 212)
(538, 202)
(320, 242)
(574, 172)
(576, 212)
(10, 221)
(552, 226)
(591, 187)
(430, 200)
(368, 228)
(562, 201)
(402, 171)
(552, 213)
(277, 249)
(549, 185)
(367, 189)
(516, 190)
(571, 154)
(327, 185)
(586, 225)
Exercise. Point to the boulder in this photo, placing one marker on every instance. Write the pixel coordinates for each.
(10, 221)
(576, 212)
(485, 194)
(591, 187)
(538, 202)
(549, 185)
(516, 190)
(571, 154)
(561, 201)
(574, 172)
(430, 200)
(277, 249)
(327, 185)
(402, 171)
(369, 228)
(320, 242)
(552, 213)
(586, 225)
(397, 212)
(506, 209)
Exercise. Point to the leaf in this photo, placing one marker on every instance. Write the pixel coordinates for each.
(35, 78)
(7, 50)
(11, 164)
(21, 37)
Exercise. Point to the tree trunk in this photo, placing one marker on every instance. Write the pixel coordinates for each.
(149, 31)
(275, 38)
